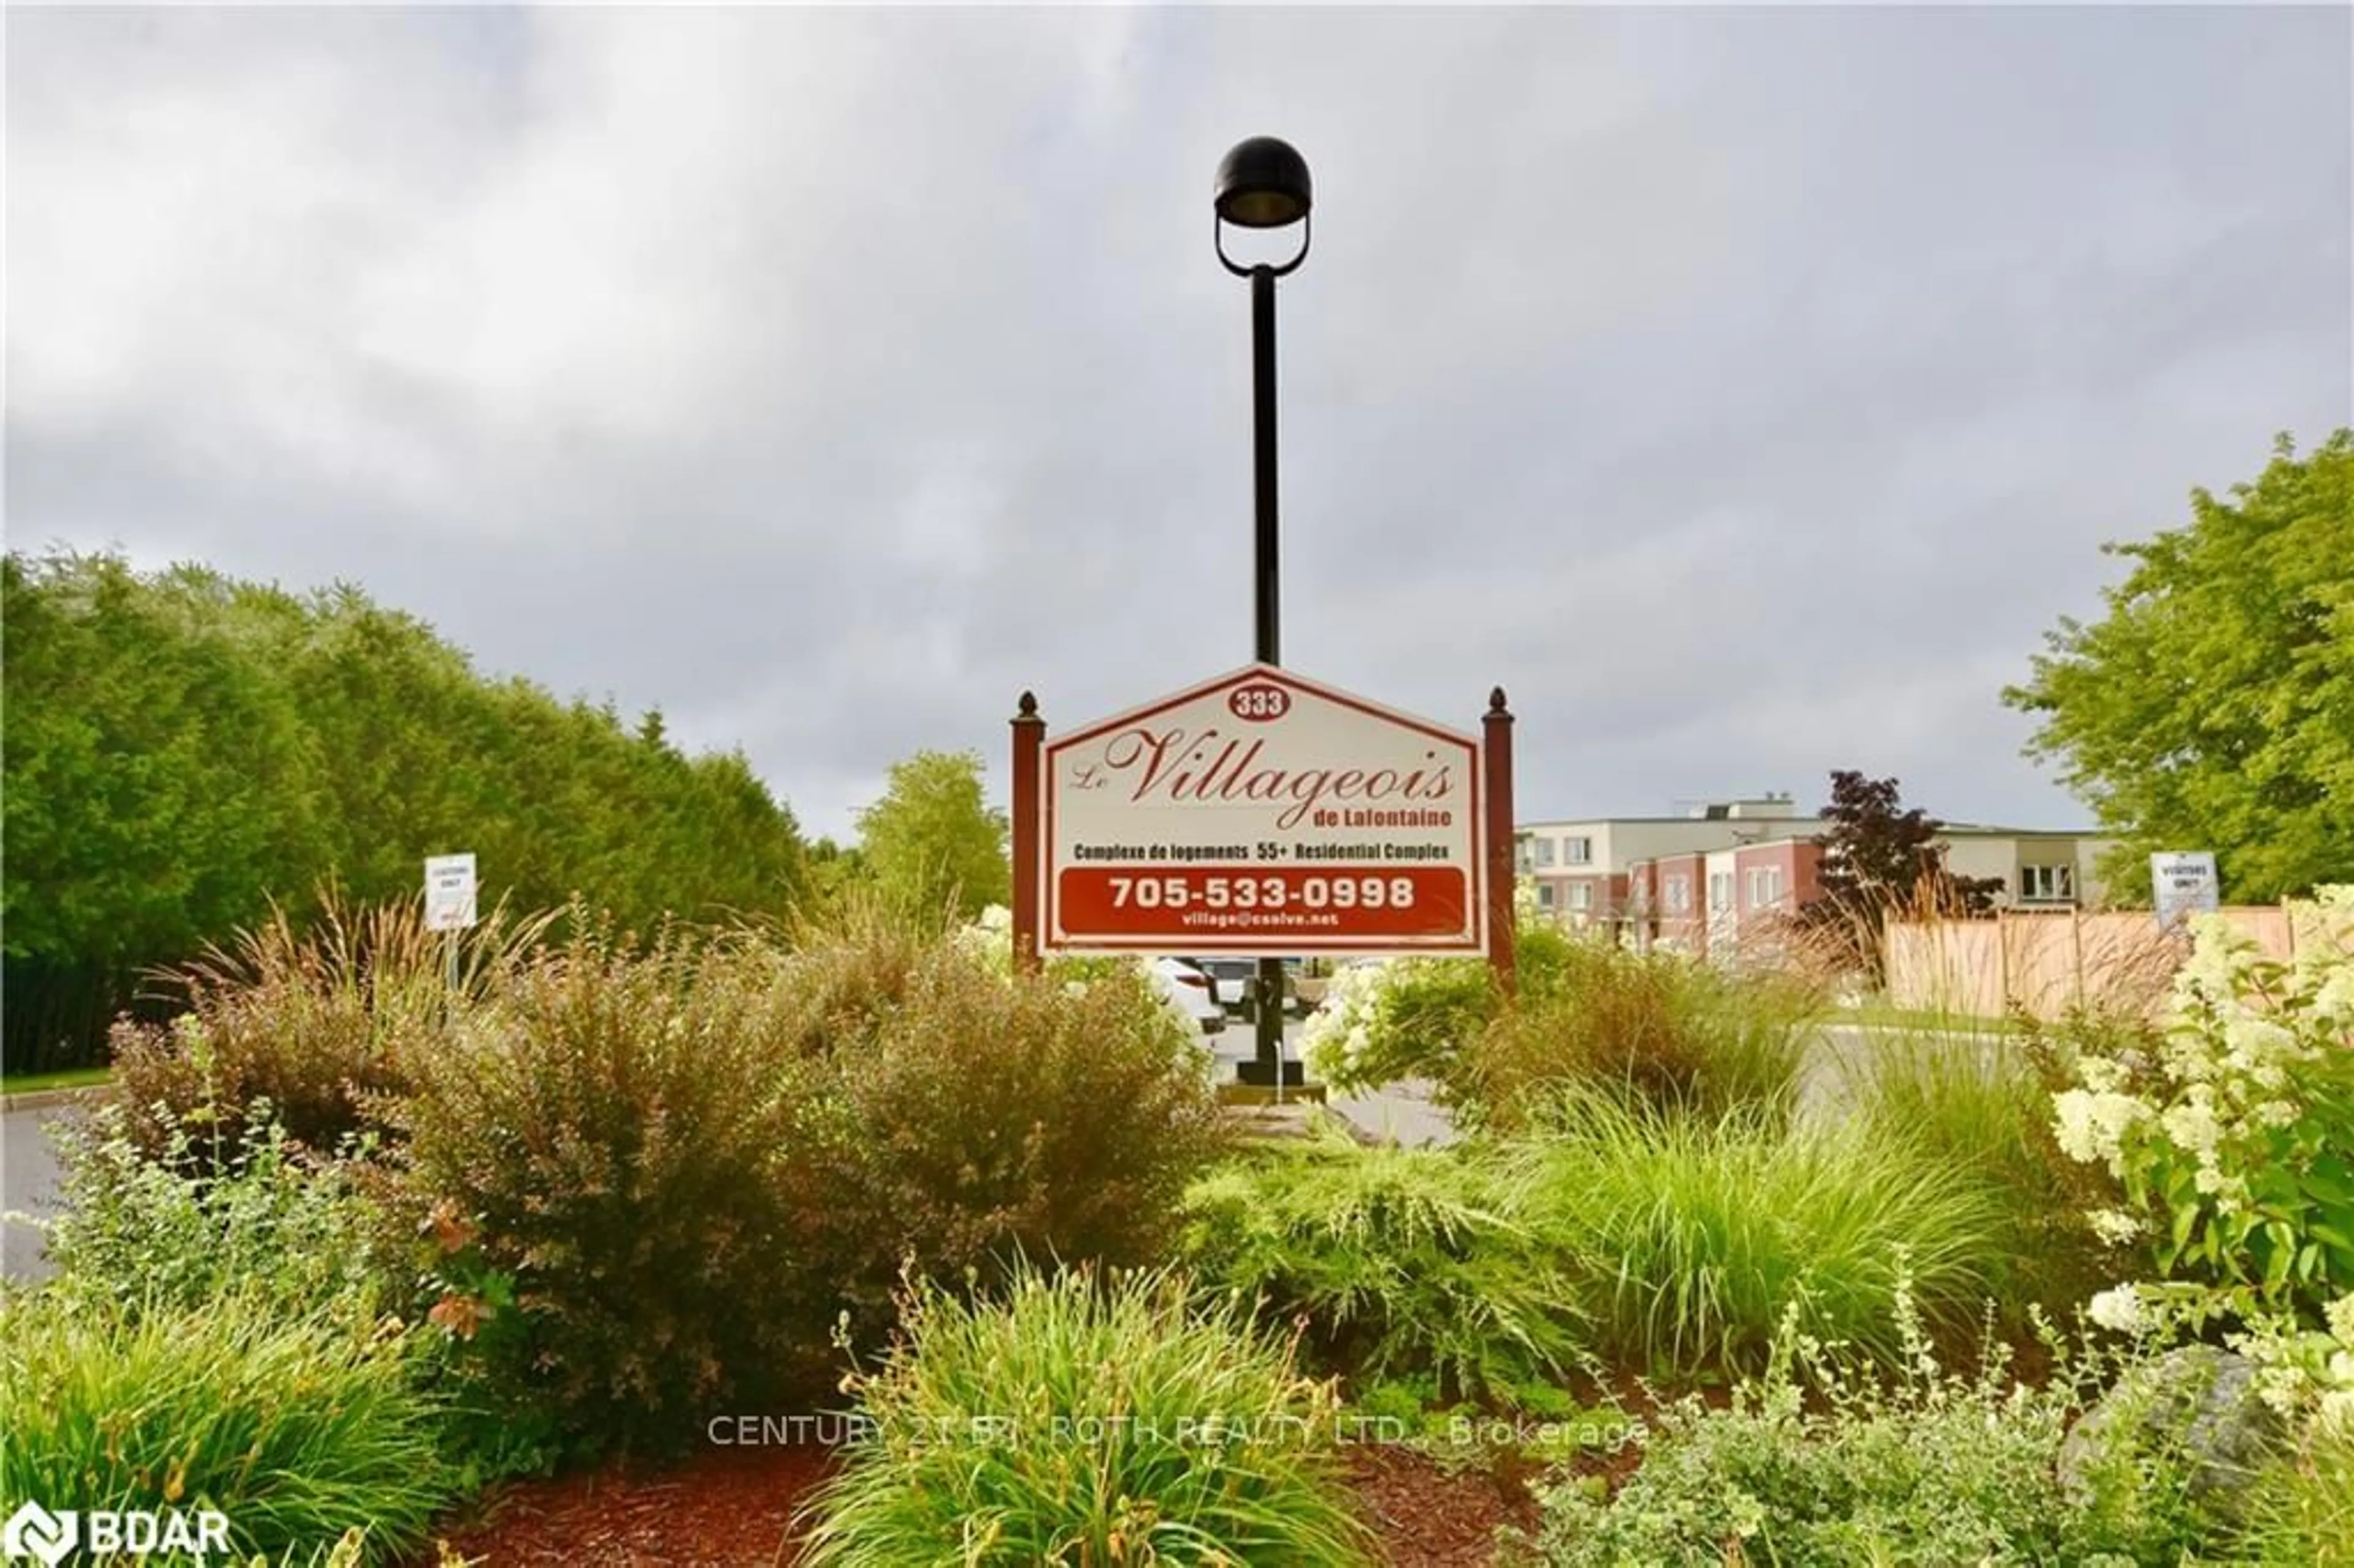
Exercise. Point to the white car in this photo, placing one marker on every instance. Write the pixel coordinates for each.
(1230, 980)
(1190, 994)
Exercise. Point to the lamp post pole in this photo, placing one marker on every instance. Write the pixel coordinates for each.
(1268, 601)
(1268, 604)
(1263, 183)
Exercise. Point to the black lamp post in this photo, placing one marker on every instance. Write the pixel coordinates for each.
(1263, 183)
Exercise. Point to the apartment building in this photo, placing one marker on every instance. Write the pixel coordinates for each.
(1705, 881)
(1583, 868)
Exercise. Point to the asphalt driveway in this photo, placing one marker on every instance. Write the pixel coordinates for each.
(28, 1185)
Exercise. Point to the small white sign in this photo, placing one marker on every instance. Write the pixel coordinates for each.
(449, 892)
(2183, 882)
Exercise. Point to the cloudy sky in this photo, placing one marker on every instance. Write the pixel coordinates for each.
(1745, 391)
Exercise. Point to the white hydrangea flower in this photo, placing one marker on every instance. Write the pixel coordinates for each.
(2256, 1043)
(2100, 1075)
(2283, 1386)
(2115, 1227)
(2072, 1112)
(2333, 999)
(990, 938)
(2230, 1192)
(2193, 1128)
(2186, 1056)
(2120, 1310)
(2092, 1125)
(2339, 1316)
(1339, 1033)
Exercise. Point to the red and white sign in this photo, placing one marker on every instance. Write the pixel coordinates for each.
(1262, 812)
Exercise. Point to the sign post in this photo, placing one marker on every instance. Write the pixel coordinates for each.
(2182, 882)
(450, 909)
(1029, 731)
(1496, 756)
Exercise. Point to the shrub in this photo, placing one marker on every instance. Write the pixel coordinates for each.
(1086, 1421)
(2231, 1140)
(1811, 1464)
(1657, 1029)
(268, 1225)
(1411, 1018)
(633, 1144)
(1665, 1029)
(1401, 1262)
(314, 1021)
(850, 966)
(297, 1429)
(1690, 1239)
(989, 1114)
(602, 1165)
(1407, 1018)
(1981, 1104)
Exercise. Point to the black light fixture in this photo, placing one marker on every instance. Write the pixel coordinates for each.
(1264, 183)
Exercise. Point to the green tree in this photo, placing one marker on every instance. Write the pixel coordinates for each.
(835, 873)
(184, 748)
(932, 847)
(2213, 707)
(159, 789)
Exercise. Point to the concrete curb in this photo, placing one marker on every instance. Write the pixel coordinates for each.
(48, 1100)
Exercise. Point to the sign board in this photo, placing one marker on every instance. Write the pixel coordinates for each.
(1262, 814)
(449, 892)
(2183, 882)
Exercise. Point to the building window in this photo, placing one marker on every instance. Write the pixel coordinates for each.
(1765, 886)
(1720, 891)
(2046, 883)
(1678, 895)
(1581, 895)
(1544, 852)
(1577, 852)
(1544, 895)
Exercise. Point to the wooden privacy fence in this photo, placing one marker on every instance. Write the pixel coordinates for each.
(2048, 962)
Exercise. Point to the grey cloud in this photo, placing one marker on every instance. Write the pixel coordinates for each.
(1745, 391)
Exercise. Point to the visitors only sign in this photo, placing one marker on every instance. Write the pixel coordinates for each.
(1263, 812)
(2183, 883)
(449, 892)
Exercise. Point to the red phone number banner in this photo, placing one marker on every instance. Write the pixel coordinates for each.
(1123, 902)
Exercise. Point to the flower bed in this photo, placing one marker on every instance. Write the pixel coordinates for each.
(631, 1186)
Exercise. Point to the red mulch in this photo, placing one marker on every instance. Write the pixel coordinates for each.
(728, 1508)
(733, 1507)
(1425, 1518)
